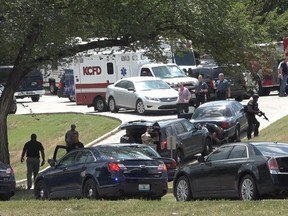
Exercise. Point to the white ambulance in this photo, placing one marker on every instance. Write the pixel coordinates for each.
(94, 71)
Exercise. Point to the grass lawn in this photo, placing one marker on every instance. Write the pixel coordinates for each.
(50, 130)
(23, 202)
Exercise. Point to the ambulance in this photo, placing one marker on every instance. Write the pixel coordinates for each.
(94, 71)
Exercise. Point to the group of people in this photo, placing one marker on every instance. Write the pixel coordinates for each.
(201, 90)
(33, 148)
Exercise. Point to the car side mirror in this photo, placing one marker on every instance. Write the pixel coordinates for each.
(131, 89)
(51, 162)
(200, 159)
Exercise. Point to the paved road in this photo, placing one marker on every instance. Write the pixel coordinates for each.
(275, 108)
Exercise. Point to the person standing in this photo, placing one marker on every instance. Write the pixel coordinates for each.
(69, 134)
(252, 111)
(32, 149)
(282, 75)
(222, 88)
(184, 96)
(75, 142)
(201, 88)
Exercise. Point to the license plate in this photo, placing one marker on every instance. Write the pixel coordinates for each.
(144, 187)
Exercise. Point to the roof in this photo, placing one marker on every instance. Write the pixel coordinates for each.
(139, 78)
(219, 103)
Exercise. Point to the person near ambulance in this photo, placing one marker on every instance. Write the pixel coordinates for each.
(283, 75)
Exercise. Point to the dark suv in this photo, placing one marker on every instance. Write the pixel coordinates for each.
(191, 139)
(232, 73)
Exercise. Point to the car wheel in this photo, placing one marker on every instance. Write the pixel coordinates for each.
(35, 98)
(140, 108)
(179, 158)
(112, 105)
(247, 188)
(41, 191)
(183, 190)
(99, 104)
(90, 189)
(236, 137)
(71, 98)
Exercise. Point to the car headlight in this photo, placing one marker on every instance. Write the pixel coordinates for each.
(152, 98)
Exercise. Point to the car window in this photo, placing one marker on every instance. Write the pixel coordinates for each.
(238, 152)
(145, 72)
(83, 156)
(237, 106)
(179, 128)
(220, 154)
(188, 125)
(130, 85)
(151, 84)
(68, 159)
(120, 153)
(121, 84)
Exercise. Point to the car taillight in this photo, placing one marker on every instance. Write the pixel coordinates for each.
(273, 165)
(163, 144)
(224, 125)
(173, 164)
(162, 167)
(114, 167)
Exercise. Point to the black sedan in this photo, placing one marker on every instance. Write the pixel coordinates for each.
(229, 115)
(7, 181)
(150, 152)
(104, 171)
(247, 171)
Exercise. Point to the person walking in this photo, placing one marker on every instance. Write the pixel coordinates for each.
(283, 75)
(222, 88)
(32, 149)
(69, 134)
(75, 142)
(201, 88)
(184, 96)
(251, 112)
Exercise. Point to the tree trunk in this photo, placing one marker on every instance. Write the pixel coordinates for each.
(4, 151)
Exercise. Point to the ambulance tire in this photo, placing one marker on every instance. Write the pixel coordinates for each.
(140, 108)
(112, 105)
(100, 105)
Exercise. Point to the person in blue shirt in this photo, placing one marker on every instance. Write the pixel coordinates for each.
(222, 88)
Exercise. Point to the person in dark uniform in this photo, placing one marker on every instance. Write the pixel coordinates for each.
(32, 149)
(201, 88)
(222, 87)
(127, 138)
(216, 133)
(252, 111)
(69, 134)
(75, 143)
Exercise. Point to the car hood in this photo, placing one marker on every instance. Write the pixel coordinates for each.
(159, 93)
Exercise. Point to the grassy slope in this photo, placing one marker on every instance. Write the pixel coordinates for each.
(50, 130)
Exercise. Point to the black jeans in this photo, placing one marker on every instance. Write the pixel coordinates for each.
(252, 122)
(200, 99)
(221, 95)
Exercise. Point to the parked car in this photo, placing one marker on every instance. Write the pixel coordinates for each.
(238, 170)
(13, 107)
(66, 86)
(141, 94)
(234, 74)
(103, 171)
(190, 138)
(229, 115)
(150, 152)
(7, 181)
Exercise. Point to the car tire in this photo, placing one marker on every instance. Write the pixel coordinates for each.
(35, 98)
(179, 158)
(112, 105)
(183, 190)
(248, 189)
(100, 105)
(41, 191)
(140, 108)
(90, 189)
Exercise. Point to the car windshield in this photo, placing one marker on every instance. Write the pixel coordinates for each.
(151, 84)
(273, 150)
(171, 71)
(211, 112)
(121, 153)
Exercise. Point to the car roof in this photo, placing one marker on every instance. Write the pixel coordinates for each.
(139, 78)
(218, 103)
(158, 64)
